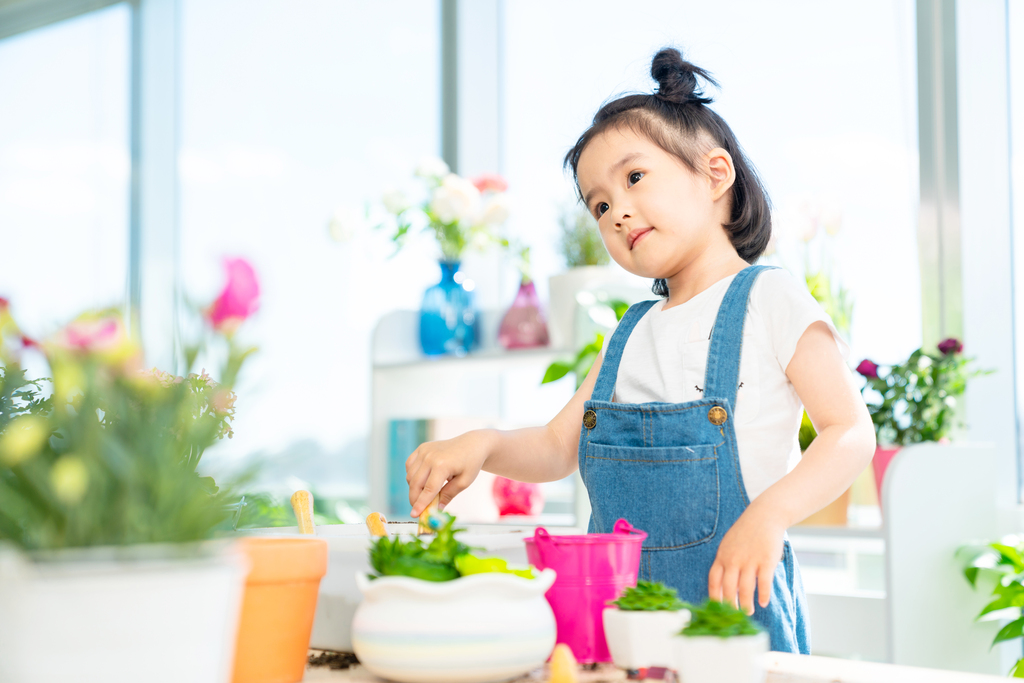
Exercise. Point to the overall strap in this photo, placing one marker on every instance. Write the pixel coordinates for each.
(723, 370)
(605, 386)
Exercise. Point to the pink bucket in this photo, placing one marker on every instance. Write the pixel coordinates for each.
(592, 569)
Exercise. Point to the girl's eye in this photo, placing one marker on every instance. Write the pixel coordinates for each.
(601, 208)
(635, 177)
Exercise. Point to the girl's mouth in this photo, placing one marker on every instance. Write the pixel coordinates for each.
(637, 235)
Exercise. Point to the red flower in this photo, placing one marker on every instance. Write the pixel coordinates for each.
(951, 345)
(28, 342)
(238, 300)
(868, 369)
(4, 304)
(490, 182)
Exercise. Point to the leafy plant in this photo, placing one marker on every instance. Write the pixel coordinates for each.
(1003, 562)
(585, 357)
(446, 558)
(919, 396)
(109, 457)
(649, 596)
(719, 619)
(580, 240)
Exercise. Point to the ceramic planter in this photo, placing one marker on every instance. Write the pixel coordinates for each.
(165, 613)
(278, 609)
(710, 659)
(475, 629)
(639, 639)
(348, 551)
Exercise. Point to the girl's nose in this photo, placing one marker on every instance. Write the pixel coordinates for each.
(618, 223)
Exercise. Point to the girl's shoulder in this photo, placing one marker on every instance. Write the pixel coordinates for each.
(781, 305)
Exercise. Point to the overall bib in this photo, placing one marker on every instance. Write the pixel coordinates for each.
(673, 470)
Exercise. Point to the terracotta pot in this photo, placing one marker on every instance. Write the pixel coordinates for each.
(278, 608)
(880, 463)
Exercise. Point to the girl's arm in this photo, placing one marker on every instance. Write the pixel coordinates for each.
(536, 454)
(752, 548)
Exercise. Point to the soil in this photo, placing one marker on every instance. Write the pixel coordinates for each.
(332, 660)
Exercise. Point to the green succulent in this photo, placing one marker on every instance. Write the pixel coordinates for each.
(649, 596)
(720, 619)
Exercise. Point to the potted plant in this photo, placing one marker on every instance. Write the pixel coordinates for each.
(471, 619)
(721, 644)
(458, 213)
(105, 566)
(1002, 562)
(640, 626)
(587, 264)
(916, 400)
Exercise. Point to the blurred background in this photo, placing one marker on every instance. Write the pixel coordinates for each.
(143, 142)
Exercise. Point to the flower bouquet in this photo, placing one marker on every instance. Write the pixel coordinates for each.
(459, 213)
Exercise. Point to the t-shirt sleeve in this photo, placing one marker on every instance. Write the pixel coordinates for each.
(788, 309)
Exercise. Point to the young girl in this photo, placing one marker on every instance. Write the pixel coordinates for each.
(687, 424)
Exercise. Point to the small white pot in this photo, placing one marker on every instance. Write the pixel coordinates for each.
(710, 659)
(475, 629)
(159, 613)
(563, 290)
(639, 639)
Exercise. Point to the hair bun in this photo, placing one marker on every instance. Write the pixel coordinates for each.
(677, 78)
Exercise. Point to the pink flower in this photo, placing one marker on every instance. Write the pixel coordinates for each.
(238, 300)
(490, 182)
(28, 342)
(951, 345)
(4, 304)
(868, 369)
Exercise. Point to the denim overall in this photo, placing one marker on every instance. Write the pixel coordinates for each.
(673, 470)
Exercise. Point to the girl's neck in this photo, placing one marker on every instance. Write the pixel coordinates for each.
(701, 274)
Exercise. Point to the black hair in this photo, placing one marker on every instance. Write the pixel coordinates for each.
(677, 118)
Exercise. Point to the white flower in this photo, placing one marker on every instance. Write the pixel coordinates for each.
(456, 199)
(431, 167)
(832, 219)
(924, 362)
(395, 201)
(480, 240)
(345, 223)
(495, 211)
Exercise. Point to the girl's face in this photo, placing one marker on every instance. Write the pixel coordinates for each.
(656, 216)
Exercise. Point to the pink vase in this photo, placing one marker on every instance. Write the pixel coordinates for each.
(880, 463)
(517, 497)
(523, 325)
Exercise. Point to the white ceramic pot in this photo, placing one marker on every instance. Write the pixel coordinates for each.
(348, 555)
(569, 324)
(710, 659)
(639, 639)
(475, 629)
(159, 613)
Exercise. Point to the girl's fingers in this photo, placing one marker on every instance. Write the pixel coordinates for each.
(747, 584)
(730, 585)
(434, 483)
(715, 582)
(412, 463)
(765, 584)
(454, 486)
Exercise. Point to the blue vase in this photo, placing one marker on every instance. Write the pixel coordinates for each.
(447, 318)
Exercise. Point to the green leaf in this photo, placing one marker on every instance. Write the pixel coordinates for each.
(1018, 670)
(1009, 555)
(649, 596)
(556, 371)
(1015, 629)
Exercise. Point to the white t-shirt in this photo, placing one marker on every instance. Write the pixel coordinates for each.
(666, 355)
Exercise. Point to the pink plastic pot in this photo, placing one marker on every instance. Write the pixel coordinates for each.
(592, 569)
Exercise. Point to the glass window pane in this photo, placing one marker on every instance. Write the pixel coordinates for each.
(65, 167)
(290, 110)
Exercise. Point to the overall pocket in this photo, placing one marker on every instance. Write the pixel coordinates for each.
(671, 493)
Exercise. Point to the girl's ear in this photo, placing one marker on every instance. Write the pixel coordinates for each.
(721, 172)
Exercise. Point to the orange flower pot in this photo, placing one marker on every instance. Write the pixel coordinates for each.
(278, 608)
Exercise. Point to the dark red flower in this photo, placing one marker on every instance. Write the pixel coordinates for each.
(951, 345)
(29, 342)
(868, 369)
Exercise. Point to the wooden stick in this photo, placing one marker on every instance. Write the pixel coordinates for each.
(302, 503)
(424, 525)
(377, 524)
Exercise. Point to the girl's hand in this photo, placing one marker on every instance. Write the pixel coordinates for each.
(747, 558)
(457, 461)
